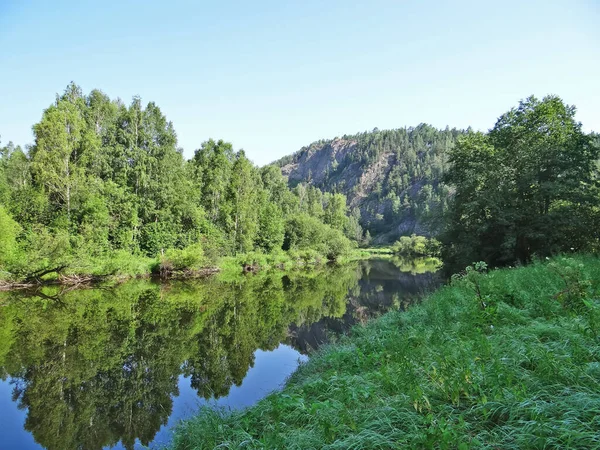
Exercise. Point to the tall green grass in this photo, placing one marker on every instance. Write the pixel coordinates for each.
(507, 359)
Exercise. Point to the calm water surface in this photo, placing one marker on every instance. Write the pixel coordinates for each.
(118, 367)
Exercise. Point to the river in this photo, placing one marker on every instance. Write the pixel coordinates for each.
(119, 366)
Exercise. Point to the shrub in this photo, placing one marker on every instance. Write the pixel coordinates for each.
(417, 246)
(9, 249)
(337, 245)
(189, 258)
(576, 286)
(121, 262)
(303, 232)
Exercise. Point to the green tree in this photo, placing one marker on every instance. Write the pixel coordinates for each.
(14, 172)
(335, 211)
(271, 228)
(353, 228)
(57, 150)
(314, 203)
(243, 204)
(525, 188)
(213, 162)
(304, 232)
(277, 189)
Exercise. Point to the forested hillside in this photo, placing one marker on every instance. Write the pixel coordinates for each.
(106, 181)
(392, 177)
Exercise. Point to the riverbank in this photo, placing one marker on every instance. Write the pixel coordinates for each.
(178, 264)
(505, 359)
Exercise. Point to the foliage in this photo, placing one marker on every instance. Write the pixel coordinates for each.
(121, 264)
(303, 232)
(416, 246)
(445, 374)
(9, 250)
(577, 288)
(104, 178)
(391, 177)
(528, 187)
(271, 228)
(191, 257)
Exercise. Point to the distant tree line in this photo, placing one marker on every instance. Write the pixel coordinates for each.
(417, 246)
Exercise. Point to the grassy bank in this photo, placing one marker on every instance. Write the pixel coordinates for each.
(507, 359)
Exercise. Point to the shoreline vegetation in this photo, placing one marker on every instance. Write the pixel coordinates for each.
(188, 264)
(106, 192)
(181, 265)
(506, 358)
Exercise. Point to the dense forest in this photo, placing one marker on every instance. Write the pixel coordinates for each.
(104, 184)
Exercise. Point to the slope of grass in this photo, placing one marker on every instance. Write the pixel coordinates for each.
(509, 359)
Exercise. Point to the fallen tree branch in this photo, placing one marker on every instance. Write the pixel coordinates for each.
(40, 273)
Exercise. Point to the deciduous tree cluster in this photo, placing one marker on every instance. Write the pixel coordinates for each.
(528, 187)
(103, 176)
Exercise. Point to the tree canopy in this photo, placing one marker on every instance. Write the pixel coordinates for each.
(528, 187)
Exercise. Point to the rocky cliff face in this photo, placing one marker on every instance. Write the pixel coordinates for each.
(393, 177)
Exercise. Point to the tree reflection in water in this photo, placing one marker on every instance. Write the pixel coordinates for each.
(96, 367)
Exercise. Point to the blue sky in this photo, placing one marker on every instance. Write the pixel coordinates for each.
(272, 76)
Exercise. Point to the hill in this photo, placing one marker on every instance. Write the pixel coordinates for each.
(393, 177)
